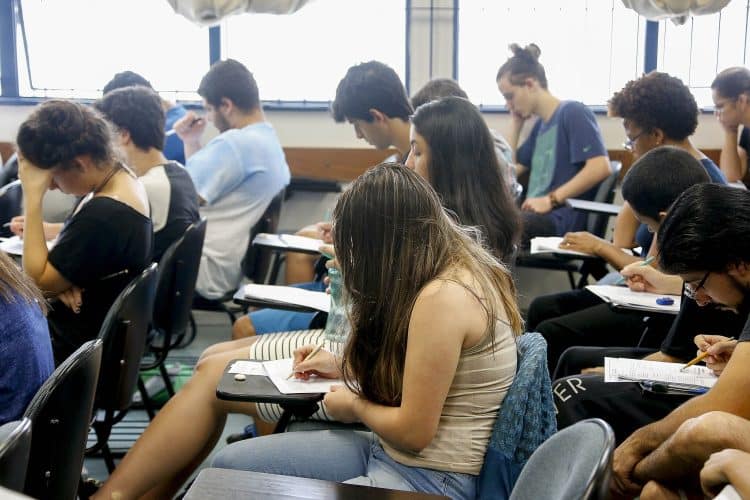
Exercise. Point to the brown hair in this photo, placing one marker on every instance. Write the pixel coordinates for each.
(14, 283)
(392, 238)
(523, 64)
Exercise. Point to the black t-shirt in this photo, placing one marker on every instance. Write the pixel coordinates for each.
(694, 320)
(100, 250)
(174, 204)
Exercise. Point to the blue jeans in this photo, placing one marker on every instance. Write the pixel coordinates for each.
(353, 457)
(278, 320)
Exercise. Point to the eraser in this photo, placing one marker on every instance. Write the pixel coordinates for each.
(665, 301)
(240, 377)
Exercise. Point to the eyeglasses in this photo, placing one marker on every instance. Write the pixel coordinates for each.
(692, 290)
(628, 144)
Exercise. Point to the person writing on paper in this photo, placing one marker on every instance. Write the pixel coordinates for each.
(450, 326)
(564, 152)
(703, 239)
(106, 241)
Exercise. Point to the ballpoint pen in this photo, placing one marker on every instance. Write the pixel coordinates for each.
(646, 262)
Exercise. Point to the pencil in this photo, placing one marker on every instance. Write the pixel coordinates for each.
(309, 356)
(700, 357)
(646, 262)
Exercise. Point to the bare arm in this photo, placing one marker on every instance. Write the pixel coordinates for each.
(594, 171)
(733, 159)
(626, 226)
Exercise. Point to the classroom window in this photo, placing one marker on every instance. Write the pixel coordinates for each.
(590, 48)
(703, 46)
(97, 39)
(303, 56)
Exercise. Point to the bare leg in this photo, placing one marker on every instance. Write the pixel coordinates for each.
(180, 436)
(681, 457)
(300, 267)
(230, 345)
(243, 328)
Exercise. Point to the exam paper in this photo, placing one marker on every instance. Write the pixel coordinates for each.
(629, 370)
(625, 297)
(289, 295)
(279, 370)
(551, 244)
(289, 241)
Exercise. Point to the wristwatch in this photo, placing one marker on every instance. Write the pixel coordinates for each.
(553, 200)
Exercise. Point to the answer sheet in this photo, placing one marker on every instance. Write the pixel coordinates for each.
(248, 368)
(279, 370)
(624, 297)
(551, 244)
(629, 370)
(289, 295)
(288, 241)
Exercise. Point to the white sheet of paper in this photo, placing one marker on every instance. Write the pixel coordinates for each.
(279, 370)
(625, 297)
(248, 368)
(290, 295)
(288, 241)
(14, 245)
(728, 493)
(617, 368)
(551, 244)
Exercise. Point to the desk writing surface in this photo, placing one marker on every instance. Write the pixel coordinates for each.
(594, 206)
(233, 484)
(258, 389)
(240, 298)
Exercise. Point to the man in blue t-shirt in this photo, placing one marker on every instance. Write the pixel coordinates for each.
(236, 174)
(173, 147)
(564, 153)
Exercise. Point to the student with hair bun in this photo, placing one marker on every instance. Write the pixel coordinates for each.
(564, 152)
(104, 244)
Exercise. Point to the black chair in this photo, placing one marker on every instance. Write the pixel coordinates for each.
(15, 445)
(596, 224)
(178, 271)
(575, 463)
(60, 414)
(123, 334)
(11, 195)
(258, 265)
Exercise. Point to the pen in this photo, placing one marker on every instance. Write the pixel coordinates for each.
(7, 224)
(700, 357)
(309, 356)
(173, 131)
(646, 262)
(113, 275)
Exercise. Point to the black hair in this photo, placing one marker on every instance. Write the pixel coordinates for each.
(125, 79)
(138, 111)
(370, 85)
(523, 64)
(732, 82)
(706, 229)
(657, 178)
(465, 171)
(658, 100)
(58, 131)
(435, 89)
(230, 79)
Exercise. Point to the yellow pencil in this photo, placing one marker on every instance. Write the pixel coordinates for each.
(309, 356)
(700, 357)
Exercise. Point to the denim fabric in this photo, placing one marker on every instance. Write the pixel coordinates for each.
(353, 457)
(279, 320)
(25, 355)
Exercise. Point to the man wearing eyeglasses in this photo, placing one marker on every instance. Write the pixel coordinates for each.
(705, 240)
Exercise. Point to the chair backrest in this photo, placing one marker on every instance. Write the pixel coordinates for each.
(9, 170)
(576, 463)
(257, 261)
(525, 420)
(596, 222)
(60, 413)
(11, 203)
(123, 333)
(15, 445)
(178, 271)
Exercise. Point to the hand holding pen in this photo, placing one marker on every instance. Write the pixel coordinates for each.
(715, 350)
(189, 128)
(314, 360)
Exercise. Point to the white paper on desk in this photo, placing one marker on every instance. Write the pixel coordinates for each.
(628, 370)
(14, 245)
(279, 370)
(625, 297)
(289, 295)
(248, 368)
(288, 241)
(551, 244)
(728, 493)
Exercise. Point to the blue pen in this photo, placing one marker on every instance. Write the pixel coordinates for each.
(646, 262)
